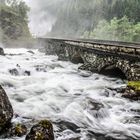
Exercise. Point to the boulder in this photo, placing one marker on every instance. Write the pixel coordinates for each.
(14, 72)
(27, 73)
(41, 131)
(6, 110)
(1, 51)
(30, 52)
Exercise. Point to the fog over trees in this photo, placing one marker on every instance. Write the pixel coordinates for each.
(13, 20)
(104, 19)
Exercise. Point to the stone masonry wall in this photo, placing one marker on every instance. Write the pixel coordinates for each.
(95, 57)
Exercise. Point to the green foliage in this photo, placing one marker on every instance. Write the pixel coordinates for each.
(134, 84)
(13, 20)
(119, 8)
(116, 29)
(76, 17)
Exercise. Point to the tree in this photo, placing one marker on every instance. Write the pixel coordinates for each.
(13, 20)
(117, 29)
(74, 17)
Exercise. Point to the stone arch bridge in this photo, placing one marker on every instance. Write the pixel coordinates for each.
(97, 55)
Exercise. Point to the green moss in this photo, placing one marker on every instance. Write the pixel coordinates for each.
(2, 121)
(46, 124)
(39, 136)
(134, 84)
(20, 129)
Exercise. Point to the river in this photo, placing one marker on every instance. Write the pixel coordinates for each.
(79, 103)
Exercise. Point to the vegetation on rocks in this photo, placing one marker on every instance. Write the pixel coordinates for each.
(19, 130)
(132, 90)
(41, 131)
(135, 85)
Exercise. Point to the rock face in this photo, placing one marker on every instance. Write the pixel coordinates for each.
(6, 110)
(41, 131)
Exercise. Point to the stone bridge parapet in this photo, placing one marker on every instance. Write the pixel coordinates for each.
(98, 55)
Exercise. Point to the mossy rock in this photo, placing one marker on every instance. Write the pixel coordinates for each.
(132, 90)
(46, 124)
(19, 130)
(41, 131)
(134, 85)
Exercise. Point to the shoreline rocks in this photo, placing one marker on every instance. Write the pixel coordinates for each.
(132, 90)
(41, 131)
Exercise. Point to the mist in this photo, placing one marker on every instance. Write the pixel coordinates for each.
(42, 15)
(51, 17)
(82, 19)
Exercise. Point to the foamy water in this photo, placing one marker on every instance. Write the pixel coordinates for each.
(79, 103)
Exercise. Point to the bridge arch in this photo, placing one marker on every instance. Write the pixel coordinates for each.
(113, 71)
(77, 58)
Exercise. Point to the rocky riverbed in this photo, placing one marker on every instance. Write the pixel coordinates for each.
(81, 105)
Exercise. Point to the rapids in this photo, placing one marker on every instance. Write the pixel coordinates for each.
(79, 103)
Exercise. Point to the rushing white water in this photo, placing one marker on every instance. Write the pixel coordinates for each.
(79, 103)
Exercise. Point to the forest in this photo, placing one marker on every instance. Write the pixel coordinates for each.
(13, 20)
(104, 19)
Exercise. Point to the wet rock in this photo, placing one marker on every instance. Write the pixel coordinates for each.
(53, 66)
(6, 84)
(101, 136)
(118, 89)
(27, 59)
(94, 105)
(96, 109)
(28, 73)
(41, 131)
(40, 68)
(31, 52)
(14, 72)
(63, 125)
(132, 90)
(6, 110)
(18, 65)
(1, 51)
(85, 73)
